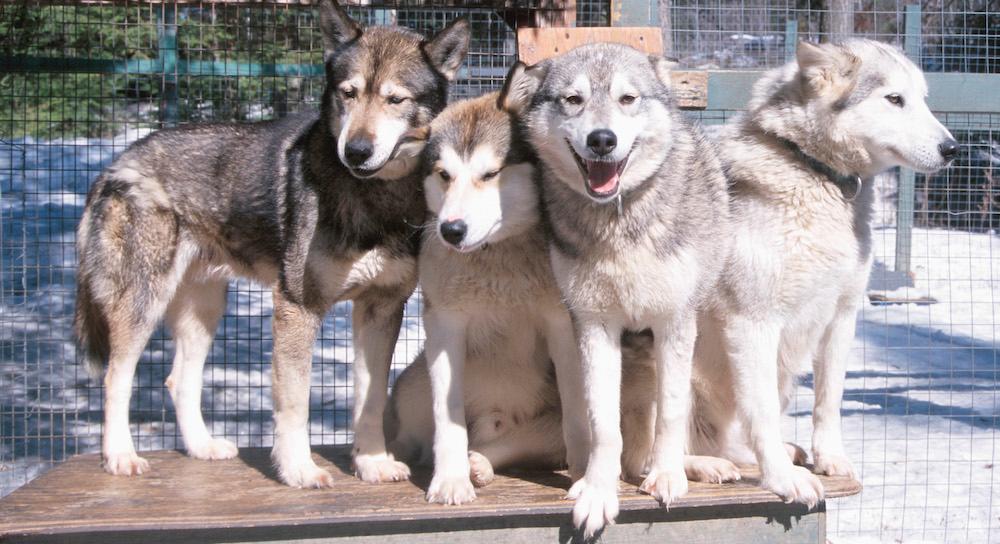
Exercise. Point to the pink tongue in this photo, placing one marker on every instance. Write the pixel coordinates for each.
(602, 176)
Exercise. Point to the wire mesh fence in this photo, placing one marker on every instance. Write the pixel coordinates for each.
(921, 408)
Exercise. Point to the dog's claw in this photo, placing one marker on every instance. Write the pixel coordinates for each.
(125, 464)
(665, 485)
(596, 505)
(451, 490)
(304, 474)
(833, 465)
(797, 485)
(480, 469)
(214, 449)
(713, 470)
(380, 468)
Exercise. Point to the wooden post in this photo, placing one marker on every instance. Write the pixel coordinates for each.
(841, 20)
(666, 28)
(907, 178)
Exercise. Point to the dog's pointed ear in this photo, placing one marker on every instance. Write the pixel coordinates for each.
(520, 86)
(827, 69)
(336, 26)
(663, 66)
(412, 143)
(447, 49)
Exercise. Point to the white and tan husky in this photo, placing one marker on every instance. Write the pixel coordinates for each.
(801, 161)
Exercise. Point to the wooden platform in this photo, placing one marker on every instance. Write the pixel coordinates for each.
(239, 500)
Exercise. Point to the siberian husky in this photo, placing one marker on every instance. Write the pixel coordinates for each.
(635, 206)
(801, 162)
(323, 206)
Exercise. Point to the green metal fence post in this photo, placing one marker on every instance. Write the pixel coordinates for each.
(635, 13)
(907, 178)
(167, 50)
(791, 39)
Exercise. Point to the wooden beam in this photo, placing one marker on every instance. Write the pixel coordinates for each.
(186, 500)
(537, 44)
(690, 88)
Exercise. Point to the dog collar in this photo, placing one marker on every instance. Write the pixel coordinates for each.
(850, 185)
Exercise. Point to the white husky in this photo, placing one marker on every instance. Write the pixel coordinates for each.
(801, 162)
(493, 315)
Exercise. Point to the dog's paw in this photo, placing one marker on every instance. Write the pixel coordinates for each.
(596, 505)
(833, 465)
(451, 490)
(380, 468)
(213, 449)
(665, 485)
(305, 474)
(712, 470)
(796, 454)
(125, 464)
(480, 469)
(796, 485)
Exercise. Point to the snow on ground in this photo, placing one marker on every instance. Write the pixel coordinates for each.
(920, 407)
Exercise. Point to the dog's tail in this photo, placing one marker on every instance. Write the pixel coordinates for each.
(126, 248)
(90, 325)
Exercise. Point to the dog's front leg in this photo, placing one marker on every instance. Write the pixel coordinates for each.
(565, 354)
(596, 494)
(830, 369)
(375, 320)
(294, 329)
(445, 350)
(673, 347)
(751, 345)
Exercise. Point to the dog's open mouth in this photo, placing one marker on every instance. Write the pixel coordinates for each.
(601, 177)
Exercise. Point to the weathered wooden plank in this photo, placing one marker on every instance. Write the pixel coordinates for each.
(182, 494)
(689, 88)
(536, 44)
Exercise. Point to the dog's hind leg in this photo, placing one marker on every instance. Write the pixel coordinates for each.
(376, 319)
(294, 329)
(674, 348)
(130, 264)
(128, 339)
(638, 416)
(752, 344)
(535, 443)
(192, 317)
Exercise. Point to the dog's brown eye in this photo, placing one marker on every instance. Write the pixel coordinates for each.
(397, 99)
(491, 174)
(574, 99)
(895, 99)
(627, 99)
(350, 93)
(444, 175)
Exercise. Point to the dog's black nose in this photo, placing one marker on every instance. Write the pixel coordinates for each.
(357, 151)
(949, 149)
(453, 231)
(602, 141)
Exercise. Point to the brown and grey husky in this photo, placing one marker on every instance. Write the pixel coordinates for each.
(323, 207)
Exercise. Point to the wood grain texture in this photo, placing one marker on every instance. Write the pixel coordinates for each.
(689, 88)
(180, 493)
(537, 44)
